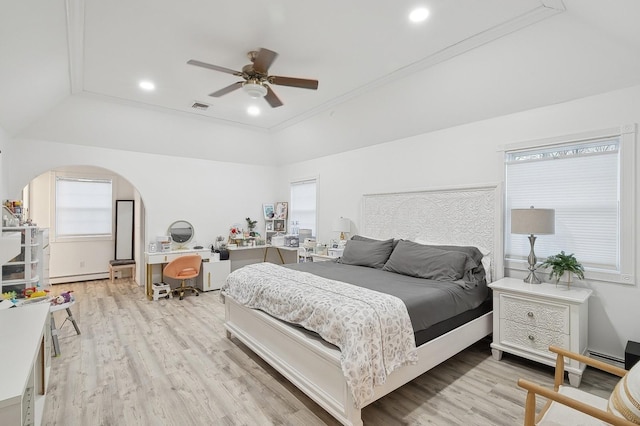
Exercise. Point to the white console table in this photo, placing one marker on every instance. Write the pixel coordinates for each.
(25, 355)
(161, 258)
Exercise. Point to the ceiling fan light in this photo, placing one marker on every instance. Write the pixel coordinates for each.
(255, 90)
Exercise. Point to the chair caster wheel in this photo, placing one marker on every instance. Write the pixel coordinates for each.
(197, 294)
(181, 297)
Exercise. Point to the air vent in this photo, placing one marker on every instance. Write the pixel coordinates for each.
(200, 106)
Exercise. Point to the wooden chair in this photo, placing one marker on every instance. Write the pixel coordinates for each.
(567, 405)
(184, 268)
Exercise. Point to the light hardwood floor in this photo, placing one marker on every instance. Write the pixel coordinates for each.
(139, 362)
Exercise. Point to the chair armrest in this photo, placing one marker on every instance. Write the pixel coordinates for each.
(534, 389)
(612, 369)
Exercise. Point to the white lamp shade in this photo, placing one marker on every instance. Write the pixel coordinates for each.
(533, 221)
(343, 224)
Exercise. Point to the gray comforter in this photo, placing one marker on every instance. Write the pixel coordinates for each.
(428, 302)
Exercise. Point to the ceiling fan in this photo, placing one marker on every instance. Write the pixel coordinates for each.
(256, 78)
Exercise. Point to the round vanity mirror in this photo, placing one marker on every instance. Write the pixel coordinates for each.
(181, 232)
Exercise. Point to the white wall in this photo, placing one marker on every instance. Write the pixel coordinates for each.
(212, 195)
(468, 155)
(4, 141)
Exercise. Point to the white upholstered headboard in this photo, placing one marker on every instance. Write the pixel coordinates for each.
(460, 216)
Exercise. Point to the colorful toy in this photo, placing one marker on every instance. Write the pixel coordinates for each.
(9, 295)
(64, 297)
(39, 293)
(27, 292)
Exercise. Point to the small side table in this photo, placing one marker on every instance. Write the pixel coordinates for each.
(54, 330)
(528, 318)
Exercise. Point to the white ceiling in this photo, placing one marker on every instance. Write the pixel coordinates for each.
(364, 54)
(346, 46)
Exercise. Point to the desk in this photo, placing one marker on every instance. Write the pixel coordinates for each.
(24, 354)
(162, 258)
(241, 256)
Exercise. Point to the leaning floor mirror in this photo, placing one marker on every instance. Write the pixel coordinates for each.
(124, 229)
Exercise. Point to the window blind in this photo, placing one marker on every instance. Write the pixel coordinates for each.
(83, 207)
(582, 183)
(303, 204)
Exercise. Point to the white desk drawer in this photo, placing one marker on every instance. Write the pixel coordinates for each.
(550, 316)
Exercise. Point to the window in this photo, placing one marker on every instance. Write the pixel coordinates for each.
(588, 180)
(83, 207)
(304, 205)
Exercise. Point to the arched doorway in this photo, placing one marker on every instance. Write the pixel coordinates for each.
(82, 258)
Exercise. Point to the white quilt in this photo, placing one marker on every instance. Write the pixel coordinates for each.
(372, 329)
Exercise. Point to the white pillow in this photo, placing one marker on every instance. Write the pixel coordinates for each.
(486, 258)
(625, 399)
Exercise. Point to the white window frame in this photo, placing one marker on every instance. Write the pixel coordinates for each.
(80, 176)
(627, 210)
(291, 204)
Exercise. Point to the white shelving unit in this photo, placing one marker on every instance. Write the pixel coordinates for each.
(273, 227)
(22, 271)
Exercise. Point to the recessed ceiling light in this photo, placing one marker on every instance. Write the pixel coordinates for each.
(147, 85)
(253, 110)
(419, 14)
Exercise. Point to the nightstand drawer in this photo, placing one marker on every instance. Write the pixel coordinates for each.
(533, 313)
(532, 339)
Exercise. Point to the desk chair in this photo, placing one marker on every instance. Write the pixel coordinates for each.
(184, 268)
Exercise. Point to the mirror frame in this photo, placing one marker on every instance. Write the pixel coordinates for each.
(180, 241)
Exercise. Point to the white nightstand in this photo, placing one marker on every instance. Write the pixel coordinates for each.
(528, 318)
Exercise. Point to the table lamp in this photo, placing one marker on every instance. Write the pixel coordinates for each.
(532, 221)
(342, 225)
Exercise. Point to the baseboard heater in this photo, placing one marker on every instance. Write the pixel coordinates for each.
(76, 278)
(607, 358)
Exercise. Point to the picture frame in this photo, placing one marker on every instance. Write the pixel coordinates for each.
(268, 211)
(281, 210)
(269, 226)
(278, 225)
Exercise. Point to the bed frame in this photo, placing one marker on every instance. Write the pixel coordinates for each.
(460, 216)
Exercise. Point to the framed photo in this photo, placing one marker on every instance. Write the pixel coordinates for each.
(268, 210)
(269, 225)
(278, 225)
(281, 210)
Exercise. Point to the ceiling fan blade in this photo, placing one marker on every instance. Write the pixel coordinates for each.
(227, 89)
(271, 97)
(213, 67)
(294, 82)
(263, 60)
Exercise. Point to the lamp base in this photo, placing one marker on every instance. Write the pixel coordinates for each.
(343, 236)
(532, 278)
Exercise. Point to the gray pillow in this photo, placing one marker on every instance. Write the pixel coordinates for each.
(476, 275)
(372, 253)
(417, 260)
(363, 238)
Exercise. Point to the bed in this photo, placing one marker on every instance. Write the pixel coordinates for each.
(455, 217)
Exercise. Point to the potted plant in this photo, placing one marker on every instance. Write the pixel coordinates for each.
(251, 224)
(561, 263)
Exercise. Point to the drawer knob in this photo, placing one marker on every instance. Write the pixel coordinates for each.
(531, 337)
(530, 314)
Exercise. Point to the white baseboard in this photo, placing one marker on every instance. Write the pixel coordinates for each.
(76, 278)
(607, 358)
